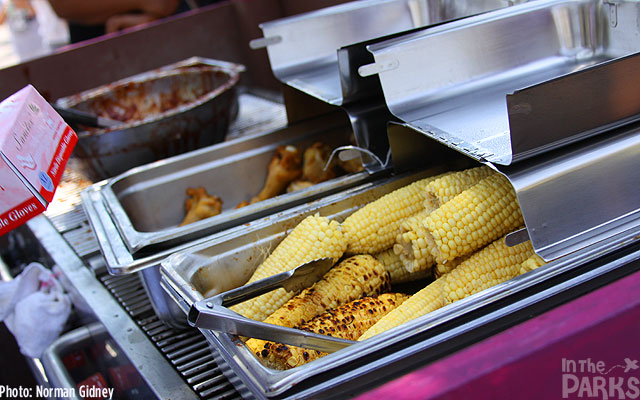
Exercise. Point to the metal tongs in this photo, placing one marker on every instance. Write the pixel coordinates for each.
(212, 313)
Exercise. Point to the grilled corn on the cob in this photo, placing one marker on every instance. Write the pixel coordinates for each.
(424, 301)
(346, 322)
(353, 278)
(315, 237)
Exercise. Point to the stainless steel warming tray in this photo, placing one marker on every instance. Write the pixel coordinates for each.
(136, 215)
(222, 264)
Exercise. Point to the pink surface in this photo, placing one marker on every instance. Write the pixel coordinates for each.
(587, 348)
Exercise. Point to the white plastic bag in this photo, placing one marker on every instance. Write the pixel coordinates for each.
(35, 308)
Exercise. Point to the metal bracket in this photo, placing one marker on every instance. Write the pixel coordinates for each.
(376, 68)
(261, 43)
(613, 12)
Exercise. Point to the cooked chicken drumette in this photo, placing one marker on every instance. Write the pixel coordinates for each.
(200, 205)
(283, 169)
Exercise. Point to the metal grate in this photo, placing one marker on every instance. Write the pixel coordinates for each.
(187, 350)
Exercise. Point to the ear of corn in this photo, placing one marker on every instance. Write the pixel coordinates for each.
(346, 322)
(494, 264)
(443, 269)
(411, 246)
(531, 263)
(473, 219)
(374, 227)
(445, 188)
(315, 237)
(395, 267)
(353, 278)
(424, 301)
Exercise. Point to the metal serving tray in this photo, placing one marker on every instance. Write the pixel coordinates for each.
(134, 198)
(145, 205)
(325, 65)
(509, 84)
(219, 265)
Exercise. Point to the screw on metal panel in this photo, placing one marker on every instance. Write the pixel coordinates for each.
(209, 304)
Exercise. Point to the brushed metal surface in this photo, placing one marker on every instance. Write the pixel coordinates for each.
(581, 194)
(302, 49)
(512, 83)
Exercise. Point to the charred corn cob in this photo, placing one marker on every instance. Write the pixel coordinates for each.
(374, 227)
(397, 272)
(426, 300)
(353, 278)
(315, 237)
(346, 322)
(531, 263)
(473, 219)
(445, 188)
(494, 264)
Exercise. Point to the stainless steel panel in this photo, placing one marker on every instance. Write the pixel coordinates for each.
(580, 195)
(325, 65)
(133, 199)
(219, 265)
(512, 83)
(302, 49)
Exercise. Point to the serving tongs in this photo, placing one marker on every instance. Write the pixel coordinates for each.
(212, 313)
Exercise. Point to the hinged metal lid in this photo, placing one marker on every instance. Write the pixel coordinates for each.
(319, 53)
(509, 84)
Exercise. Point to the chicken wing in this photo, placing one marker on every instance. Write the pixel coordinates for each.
(283, 169)
(314, 160)
(200, 205)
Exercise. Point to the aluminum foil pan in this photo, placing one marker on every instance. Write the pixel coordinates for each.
(163, 112)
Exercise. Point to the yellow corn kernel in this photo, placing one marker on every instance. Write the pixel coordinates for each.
(397, 271)
(411, 244)
(374, 227)
(474, 218)
(494, 264)
(346, 322)
(531, 263)
(447, 187)
(355, 277)
(424, 301)
(443, 269)
(313, 238)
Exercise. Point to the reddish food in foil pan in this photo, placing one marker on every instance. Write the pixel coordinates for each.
(163, 113)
